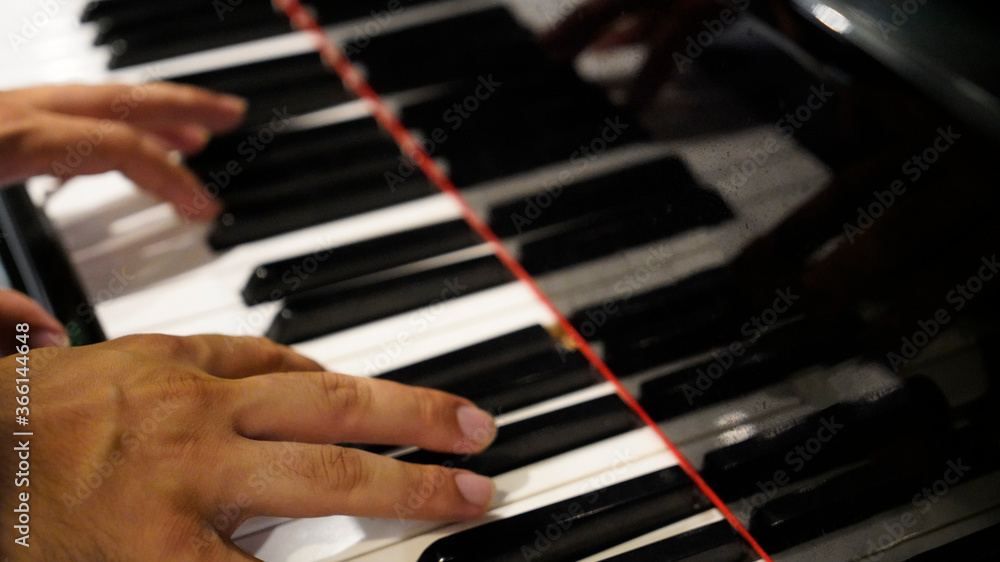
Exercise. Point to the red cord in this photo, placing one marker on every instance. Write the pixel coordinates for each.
(356, 82)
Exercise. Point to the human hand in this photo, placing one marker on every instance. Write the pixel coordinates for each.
(68, 131)
(157, 448)
(18, 308)
(663, 26)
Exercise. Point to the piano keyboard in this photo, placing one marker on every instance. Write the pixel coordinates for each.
(336, 242)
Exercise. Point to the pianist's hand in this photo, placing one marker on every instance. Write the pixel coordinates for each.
(662, 25)
(18, 308)
(68, 131)
(157, 448)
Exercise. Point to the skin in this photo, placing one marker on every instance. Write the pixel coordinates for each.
(133, 129)
(197, 434)
(662, 26)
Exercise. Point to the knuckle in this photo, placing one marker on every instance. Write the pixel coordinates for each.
(346, 394)
(270, 353)
(187, 390)
(341, 468)
(428, 408)
(162, 345)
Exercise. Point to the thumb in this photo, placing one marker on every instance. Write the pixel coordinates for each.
(43, 329)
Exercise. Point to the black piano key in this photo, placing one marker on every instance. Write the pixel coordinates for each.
(266, 86)
(742, 367)
(566, 125)
(587, 197)
(619, 227)
(312, 181)
(129, 10)
(835, 436)
(127, 55)
(199, 20)
(279, 279)
(338, 307)
(981, 546)
(541, 437)
(479, 43)
(892, 480)
(652, 328)
(259, 155)
(528, 383)
(684, 299)
(717, 542)
(240, 226)
(267, 75)
(335, 12)
(533, 379)
(454, 367)
(572, 529)
(840, 501)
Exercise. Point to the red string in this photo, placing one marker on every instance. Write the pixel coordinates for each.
(355, 81)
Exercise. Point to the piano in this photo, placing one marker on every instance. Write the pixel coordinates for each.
(752, 321)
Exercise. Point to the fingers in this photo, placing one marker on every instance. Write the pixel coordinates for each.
(189, 139)
(583, 26)
(301, 480)
(144, 160)
(17, 308)
(332, 408)
(222, 356)
(151, 105)
(38, 142)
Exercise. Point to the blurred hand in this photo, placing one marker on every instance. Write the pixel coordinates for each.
(68, 131)
(158, 448)
(662, 25)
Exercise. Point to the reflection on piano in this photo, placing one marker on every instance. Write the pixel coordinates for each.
(787, 260)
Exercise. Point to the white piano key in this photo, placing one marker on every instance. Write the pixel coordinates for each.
(608, 476)
(409, 348)
(221, 280)
(691, 523)
(427, 325)
(573, 473)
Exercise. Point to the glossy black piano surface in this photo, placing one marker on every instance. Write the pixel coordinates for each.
(788, 257)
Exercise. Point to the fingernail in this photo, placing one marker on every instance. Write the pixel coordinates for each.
(477, 425)
(51, 339)
(193, 138)
(476, 489)
(234, 104)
